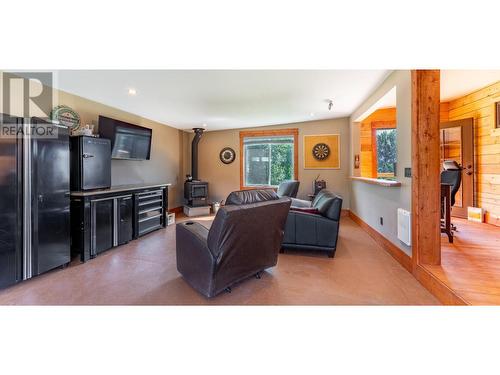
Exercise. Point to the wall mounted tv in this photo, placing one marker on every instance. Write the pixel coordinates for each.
(128, 141)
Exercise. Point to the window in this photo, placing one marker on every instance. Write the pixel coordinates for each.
(377, 139)
(268, 157)
(386, 152)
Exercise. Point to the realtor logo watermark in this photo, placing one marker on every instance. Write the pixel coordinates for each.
(27, 95)
(10, 130)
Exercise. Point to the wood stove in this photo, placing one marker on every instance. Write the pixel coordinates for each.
(195, 191)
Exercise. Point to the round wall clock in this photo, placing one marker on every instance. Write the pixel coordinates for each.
(321, 151)
(227, 155)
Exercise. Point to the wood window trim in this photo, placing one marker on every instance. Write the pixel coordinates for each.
(374, 126)
(269, 133)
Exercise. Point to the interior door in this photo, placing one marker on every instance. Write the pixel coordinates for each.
(457, 143)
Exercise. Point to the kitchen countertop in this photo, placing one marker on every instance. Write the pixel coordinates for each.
(117, 189)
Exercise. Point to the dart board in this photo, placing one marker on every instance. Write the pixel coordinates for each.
(321, 151)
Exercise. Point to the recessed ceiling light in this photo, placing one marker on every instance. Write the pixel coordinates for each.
(312, 114)
(132, 92)
(204, 125)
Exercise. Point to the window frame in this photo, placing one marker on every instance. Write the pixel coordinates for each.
(294, 132)
(377, 125)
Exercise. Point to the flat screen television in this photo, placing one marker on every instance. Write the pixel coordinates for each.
(128, 141)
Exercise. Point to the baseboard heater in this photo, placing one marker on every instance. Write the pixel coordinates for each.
(404, 226)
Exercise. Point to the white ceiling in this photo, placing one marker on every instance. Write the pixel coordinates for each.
(457, 83)
(386, 101)
(225, 99)
(454, 84)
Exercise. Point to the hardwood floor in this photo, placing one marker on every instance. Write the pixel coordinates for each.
(144, 272)
(471, 265)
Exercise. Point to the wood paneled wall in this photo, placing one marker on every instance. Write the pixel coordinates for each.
(480, 105)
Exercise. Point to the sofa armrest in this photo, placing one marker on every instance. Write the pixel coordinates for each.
(311, 229)
(307, 210)
(195, 261)
(300, 203)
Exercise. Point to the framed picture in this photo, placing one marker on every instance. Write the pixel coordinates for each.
(322, 151)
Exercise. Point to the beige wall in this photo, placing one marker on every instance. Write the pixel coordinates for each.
(171, 153)
(165, 164)
(226, 178)
(370, 202)
(166, 154)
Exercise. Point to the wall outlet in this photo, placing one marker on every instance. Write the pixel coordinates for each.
(381, 220)
(408, 172)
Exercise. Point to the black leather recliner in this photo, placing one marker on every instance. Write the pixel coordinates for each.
(314, 225)
(244, 239)
(288, 188)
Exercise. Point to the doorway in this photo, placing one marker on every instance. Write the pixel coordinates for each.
(457, 144)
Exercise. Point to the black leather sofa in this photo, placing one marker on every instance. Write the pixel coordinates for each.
(314, 225)
(288, 188)
(244, 239)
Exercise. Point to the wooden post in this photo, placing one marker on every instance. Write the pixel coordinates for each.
(426, 190)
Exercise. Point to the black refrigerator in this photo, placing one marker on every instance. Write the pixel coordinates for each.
(34, 199)
(90, 163)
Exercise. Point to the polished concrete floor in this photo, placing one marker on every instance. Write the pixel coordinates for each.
(144, 272)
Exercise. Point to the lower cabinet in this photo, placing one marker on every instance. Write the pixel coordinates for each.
(112, 222)
(100, 222)
(125, 219)
(150, 211)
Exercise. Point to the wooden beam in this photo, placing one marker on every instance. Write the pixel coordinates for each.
(426, 211)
